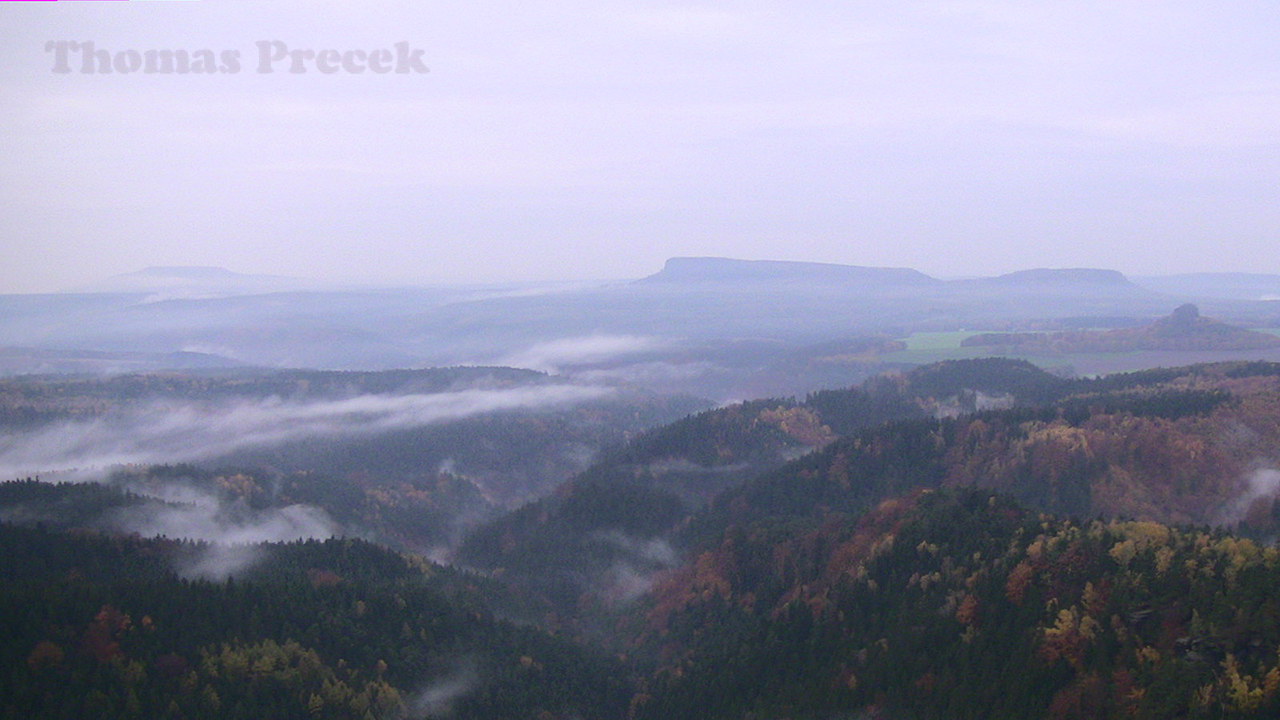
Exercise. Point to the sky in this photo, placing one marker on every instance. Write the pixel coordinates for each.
(575, 140)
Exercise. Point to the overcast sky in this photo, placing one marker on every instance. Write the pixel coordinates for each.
(594, 140)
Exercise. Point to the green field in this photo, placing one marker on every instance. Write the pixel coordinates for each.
(928, 347)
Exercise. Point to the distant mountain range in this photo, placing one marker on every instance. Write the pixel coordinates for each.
(693, 270)
(1238, 286)
(714, 326)
(1232, 286)
(193, 282)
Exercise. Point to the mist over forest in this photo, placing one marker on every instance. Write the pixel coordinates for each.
(680, 361)
(626, 499)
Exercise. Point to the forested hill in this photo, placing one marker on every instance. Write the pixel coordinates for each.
(973, 539)
(105, 627)
(880, 575)
(937, 604)
(1174, 445)
(963, 605)
(600, 529)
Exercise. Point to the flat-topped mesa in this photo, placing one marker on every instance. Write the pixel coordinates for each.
(726, 270)
(1064, 276)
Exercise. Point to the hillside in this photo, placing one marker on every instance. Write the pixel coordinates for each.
(602, 532)
(970, 539)
(878, 575)
(965, 605)
(1177, 445)
(104, 627)
(1171, 445)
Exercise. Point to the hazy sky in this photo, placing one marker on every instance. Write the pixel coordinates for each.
(594, 140)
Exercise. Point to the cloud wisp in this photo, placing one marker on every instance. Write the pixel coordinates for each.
(234, 532)
(438, 697)
(1261, 484)
(168, 431)
(553, 355)
(633, 574)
